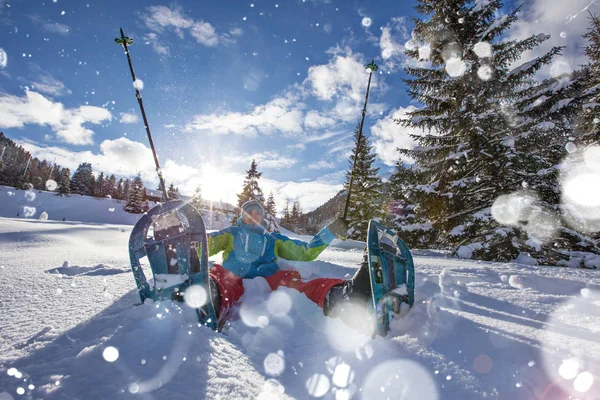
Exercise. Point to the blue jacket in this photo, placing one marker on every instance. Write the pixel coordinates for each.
(251, 251)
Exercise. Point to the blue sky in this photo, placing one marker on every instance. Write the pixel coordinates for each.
(280, 81)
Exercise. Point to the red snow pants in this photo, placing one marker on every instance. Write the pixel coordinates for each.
(231, 286)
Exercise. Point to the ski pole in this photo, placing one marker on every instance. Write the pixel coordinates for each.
(372, 68)
(126, 41)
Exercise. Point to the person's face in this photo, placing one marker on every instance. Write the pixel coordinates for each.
(252, 217)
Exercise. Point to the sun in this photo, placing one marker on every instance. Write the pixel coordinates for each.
(217, 184)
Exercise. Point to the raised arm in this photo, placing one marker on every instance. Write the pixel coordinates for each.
(220, 241)
(297, 250)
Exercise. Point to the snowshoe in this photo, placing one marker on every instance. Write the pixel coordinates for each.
(172, 236)
(392, 275)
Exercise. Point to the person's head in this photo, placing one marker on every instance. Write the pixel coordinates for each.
(252, 213)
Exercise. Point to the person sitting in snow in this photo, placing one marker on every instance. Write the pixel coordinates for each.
(251, 251)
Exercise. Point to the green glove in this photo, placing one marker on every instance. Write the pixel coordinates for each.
(339, 228)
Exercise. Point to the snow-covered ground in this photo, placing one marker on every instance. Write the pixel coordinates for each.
(479, 330)
(31, 204)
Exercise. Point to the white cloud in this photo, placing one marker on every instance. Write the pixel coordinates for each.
(387, 136)
(392, 35)
(266, 160)
(67, 124)
(236, 31)
(321, 165)
(565, 21)
(322, 137)
(310, 194)
(122, 157)
(280, 114)
(316, 120)
(55, 27)
(48, 84)
(129, 118)
(125, 158)
(151, 39)
(50, 26)
(344, 75)
(161, 18)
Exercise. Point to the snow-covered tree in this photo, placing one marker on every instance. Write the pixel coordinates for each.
(285, 218)
(173, 192)
(251, 190)
(100, 186)
(83, 180)
(196, 200)
(402, 213)
(589, 123)
(365, 197)
(136, 200)
(64, 182)
(468, 89)
(270, 206)
(270, 211)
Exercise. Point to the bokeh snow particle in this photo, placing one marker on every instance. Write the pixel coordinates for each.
(580, 190)
(20, 391)
(424, 52)
(134, 388)
(274, 364)
(571, 147)
(563, 35)
(484, 72)
(3, 58)
(401, 379)
(317, 385)
(279, 303)
(483, 364)
(29, 195)
(483, 49)
(28, 211)
(195, 296)
(51, 185)
(569, 368)
(138, 84)
(510, 209)
(583, 382)
(456, 67)
(342, 375)
(366, 22)
(110, 354)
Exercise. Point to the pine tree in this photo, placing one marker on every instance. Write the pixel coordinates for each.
(366, 189)
(83, 180)
(64, 182)
(285, 219)
(270, 206)
(172, 192)
(295, 215)
(119, 190)
(110, 186)
(403, 209)
(126, 189)
(196, 200)
(468, 92)
(136, 201)
(251, 190)
(589, 123)
(270, 211)
(100, 186)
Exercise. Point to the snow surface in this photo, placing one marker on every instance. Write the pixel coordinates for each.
(75, 207)
(76, 330)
